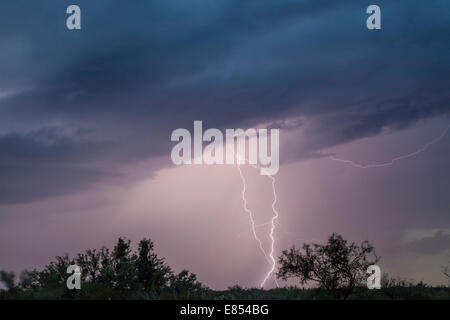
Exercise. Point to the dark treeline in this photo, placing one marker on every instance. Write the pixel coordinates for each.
(120, 273)
(335, 270)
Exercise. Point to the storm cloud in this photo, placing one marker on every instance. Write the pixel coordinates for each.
(134, 73)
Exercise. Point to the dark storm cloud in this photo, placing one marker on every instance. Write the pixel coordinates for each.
(45, 163)
(137, 71)
(46, 145)
(26, 183)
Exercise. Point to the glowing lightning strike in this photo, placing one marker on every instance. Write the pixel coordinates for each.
(270, 258)
(250, 213)
(272, 231)
(390, 163)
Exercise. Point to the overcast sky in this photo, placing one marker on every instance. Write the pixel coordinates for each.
(86, 118)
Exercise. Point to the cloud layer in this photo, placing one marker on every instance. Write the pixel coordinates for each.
(112, 93)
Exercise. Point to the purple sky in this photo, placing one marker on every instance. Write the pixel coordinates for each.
(86, 118)
(195, 213)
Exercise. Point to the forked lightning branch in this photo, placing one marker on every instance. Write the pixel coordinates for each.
(241, 147)
(255, 153)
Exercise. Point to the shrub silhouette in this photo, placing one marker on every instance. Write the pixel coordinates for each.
(337, 266)
(117, 274)
(121, 273)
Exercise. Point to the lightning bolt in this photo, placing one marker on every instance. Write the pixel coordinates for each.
(269, 257)
(250, 213)
(272, 231)
(391, 162)
(273, 222)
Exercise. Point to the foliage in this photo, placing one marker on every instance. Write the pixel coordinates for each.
(122, 273)
(8, 279)
(117, 274)
(337, 266)
(446, 271)
(409, 291)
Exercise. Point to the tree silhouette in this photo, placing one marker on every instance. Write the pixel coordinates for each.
(8, 279)
(446, 271)
(152, 272)
(120, 273)
(123, 273)
(336, 266)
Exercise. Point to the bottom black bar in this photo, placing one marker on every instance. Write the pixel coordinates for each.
(225, 309)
